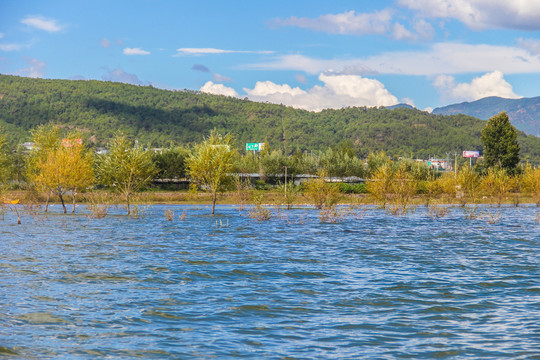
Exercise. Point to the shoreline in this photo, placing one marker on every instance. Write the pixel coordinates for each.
(233, 198)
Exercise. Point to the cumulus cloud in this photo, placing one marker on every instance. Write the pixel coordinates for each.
(213, 51)
(41, 23)
(218, 89)
(336, 92)
(481, 14)
(119, 75)
(35, 68)
(490, 84)
(201, 68)
(135, 51)
(440, 58)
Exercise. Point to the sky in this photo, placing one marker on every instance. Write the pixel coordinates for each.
(312, 54)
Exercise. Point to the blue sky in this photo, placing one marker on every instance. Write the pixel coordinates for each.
(308, 54)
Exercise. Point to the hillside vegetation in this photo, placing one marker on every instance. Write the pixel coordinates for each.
(158, 117)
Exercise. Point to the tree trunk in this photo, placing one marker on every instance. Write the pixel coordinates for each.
(73, 193)
(214, 201)
(63, 204)
(128, 208)
(47, 201)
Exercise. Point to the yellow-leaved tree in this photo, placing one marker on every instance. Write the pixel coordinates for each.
(530, 179)
(63, 166)
(211, 163)
(59, 166)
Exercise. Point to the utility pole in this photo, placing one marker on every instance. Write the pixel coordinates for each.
(455, 161)
(285, 179)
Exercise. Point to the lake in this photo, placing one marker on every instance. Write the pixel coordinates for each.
(372, 286)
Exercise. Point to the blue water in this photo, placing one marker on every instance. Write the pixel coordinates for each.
(372, 286)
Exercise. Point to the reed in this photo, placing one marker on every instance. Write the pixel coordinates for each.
(259, 211)
(437, 210)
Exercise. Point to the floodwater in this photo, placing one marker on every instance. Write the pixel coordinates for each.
(371, 286)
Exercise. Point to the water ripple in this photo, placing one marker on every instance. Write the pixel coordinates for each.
(372, 286)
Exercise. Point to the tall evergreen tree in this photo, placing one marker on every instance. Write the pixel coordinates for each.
(500, 143)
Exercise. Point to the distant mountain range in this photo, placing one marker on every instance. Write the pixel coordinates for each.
(524, 113)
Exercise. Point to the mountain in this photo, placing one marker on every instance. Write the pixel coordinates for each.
(524, 113)
(158, 117)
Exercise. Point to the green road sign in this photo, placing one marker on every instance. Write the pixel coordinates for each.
(254, 146)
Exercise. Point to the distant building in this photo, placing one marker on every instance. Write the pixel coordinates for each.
(439, 164)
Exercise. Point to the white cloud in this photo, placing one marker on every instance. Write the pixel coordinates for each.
(41, 23)
(266, 88)
(218, 89)
(490, 84)
(399, 32)
(314, 66)
(213, 51)
(531, 45)
(348, 22)
(220, 78)
(35, 69)
(1, 35)
(135, 51)
(424, 29)
(338, 91)
(119, 75)
(11, 47)
(359, 24)
(440, 58)
(481, 14)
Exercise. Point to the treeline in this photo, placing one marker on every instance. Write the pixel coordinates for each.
(60, 164)
(157, 118)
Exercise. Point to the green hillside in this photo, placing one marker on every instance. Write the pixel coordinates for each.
(156, 117)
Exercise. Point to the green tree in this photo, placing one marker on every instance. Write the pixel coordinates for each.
(500, 143)
(4, 159)
(126, 168)
(211, 163)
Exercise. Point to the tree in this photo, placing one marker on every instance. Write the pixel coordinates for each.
(4, 159)
(66, 168)
(530, 179)
(497, 183)
(211, 163)
(322, 193)
(500, 143)
(46, 139)
(126, 168)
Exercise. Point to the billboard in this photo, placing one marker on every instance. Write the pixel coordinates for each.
(471, 154)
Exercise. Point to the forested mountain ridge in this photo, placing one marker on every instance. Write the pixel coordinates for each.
(524, 113)
(158, 117)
